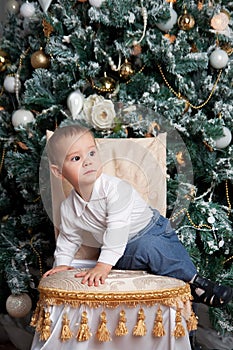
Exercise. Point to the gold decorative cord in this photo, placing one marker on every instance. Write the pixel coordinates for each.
(190, 219)
(38, 256)
(139, 72)
(197, 226)
(228, 198)
(2, 159)
(229, 212)
(227, 260)
(204, 225)
(179, 96)
(167, 297)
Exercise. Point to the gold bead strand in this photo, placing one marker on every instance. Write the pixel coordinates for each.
(38, 257)
(176, 215)
(196, 226)
(227, 260)
(139, 72)
(2, 159)
(179, 96)
(228, 198)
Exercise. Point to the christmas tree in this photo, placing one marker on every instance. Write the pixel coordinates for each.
(125, 69)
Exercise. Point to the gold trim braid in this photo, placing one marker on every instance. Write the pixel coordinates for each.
(167, 297)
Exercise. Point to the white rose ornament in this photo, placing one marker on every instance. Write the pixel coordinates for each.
(99, 112)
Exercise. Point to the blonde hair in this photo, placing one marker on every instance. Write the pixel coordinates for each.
(59, 143)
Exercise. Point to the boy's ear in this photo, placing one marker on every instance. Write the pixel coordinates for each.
(56, 171)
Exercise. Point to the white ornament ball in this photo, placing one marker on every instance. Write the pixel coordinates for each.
(10, 84)
(211, 220)
(219, 58)
(18, 305)
(22, 117)
(27, 10)
(75, 103)
(166, 26)
(96, 3)
(225, 140)
(12, 6)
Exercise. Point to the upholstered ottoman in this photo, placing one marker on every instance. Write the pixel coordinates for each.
(133, 310)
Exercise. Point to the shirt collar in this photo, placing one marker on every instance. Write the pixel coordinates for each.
(98, 193)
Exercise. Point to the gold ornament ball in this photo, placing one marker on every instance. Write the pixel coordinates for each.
(126, 70)
(18, 305)
(4, 60)
(40, 59)
(186, 21)
(107, 84)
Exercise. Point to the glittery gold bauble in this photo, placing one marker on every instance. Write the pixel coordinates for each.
(40, 59)
(126, 70)
(186, 21)
(107, 84)
(18, 305)
(4, 60)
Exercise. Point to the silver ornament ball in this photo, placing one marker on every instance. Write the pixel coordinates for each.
(27, 10)
(219, 58)
(18, 305)
(166, 26)
(22, 117)
(10, 84)
(96, 3)
(225, 140)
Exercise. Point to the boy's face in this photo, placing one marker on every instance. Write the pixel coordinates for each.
(82, 165)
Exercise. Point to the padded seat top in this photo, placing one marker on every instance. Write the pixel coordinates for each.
(121, 286)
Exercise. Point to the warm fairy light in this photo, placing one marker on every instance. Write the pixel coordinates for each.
(220, 21)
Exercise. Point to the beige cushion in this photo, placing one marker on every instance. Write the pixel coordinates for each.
(120, 287)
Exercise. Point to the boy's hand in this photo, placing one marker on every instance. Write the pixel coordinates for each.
(96, 275)
(57, 269)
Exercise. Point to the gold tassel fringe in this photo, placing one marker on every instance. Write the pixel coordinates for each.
(179, 330)
(66, 333)
(84, 331)
(103, 333)
(158, 330)
(192, 322)
(35, 317)
(140, 328)
(46, 327)
(40, 320)
(121, 328)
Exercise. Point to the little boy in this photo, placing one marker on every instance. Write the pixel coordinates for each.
(107, 212)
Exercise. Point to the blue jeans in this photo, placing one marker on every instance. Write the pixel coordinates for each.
(157, 249)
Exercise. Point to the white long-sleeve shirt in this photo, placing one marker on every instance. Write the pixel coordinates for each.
(114, 214)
